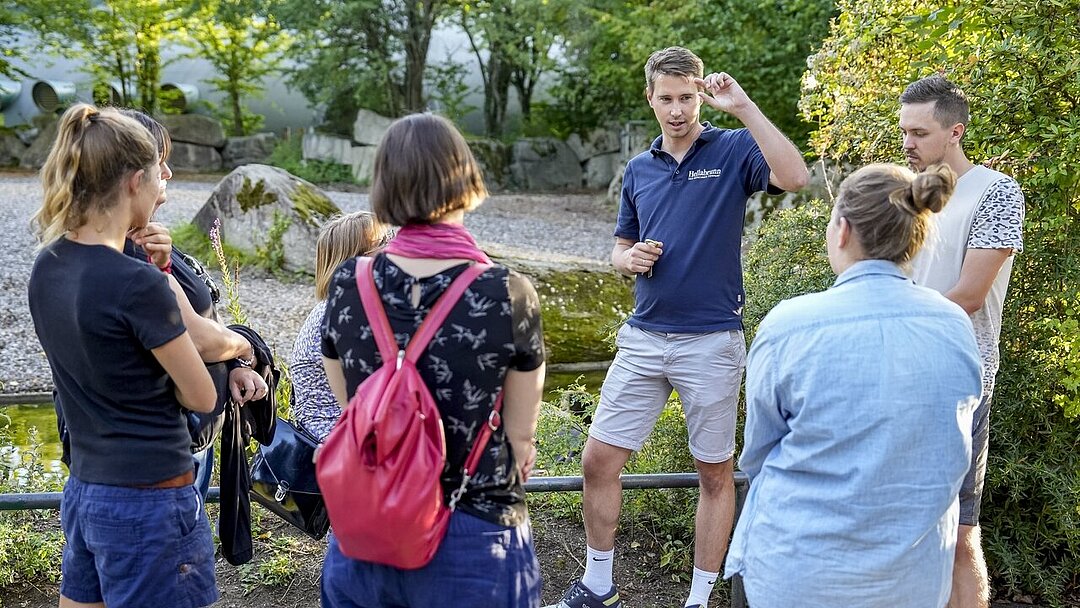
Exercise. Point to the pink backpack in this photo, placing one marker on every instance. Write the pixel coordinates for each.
(379, 470)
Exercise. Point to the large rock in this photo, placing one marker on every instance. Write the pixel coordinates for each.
(194, 158)
(254, 200)
(333, 149)
(370, 127)
(601, 169)
(247, 150)
(545, 163)
(11, 149)
(34, 156)
(595, 143)
(493, 156)
(194, 129)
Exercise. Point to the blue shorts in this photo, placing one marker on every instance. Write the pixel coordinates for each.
(478, 565)
(136, 546)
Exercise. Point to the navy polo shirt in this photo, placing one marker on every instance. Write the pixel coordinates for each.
(696, 209)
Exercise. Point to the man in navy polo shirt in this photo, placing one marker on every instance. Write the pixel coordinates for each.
(679, 231)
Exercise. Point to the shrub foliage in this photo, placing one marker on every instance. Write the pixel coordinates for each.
(1018, 64)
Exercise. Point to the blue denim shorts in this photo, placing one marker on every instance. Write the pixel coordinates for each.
(136, 546)
(478, 565)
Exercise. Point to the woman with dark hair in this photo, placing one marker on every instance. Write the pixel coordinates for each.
(425, 180)
(125, 371)
(858, 417)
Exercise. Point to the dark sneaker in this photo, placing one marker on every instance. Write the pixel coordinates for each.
(579, 596)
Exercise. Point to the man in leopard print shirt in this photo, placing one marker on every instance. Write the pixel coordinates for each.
(968, 258)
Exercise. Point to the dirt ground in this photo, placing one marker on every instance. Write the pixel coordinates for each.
(559, 544)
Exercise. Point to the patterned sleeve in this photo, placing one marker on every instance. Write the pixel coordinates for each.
(999, 220)
(528, 331)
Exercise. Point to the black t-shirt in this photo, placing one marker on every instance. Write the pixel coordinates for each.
(98, 314)
(189, 273)
(495, 326)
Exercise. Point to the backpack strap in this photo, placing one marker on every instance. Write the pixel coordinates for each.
(373, 308)
(494, 421)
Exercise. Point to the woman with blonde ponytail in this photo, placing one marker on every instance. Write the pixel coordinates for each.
(125, 370)
(858, 416)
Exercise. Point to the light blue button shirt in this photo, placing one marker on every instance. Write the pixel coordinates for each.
(858, 435)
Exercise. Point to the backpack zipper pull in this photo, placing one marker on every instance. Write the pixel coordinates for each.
(400, 357)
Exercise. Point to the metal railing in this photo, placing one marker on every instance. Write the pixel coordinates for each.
(51, 500)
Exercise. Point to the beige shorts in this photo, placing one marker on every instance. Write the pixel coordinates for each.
(706, 370)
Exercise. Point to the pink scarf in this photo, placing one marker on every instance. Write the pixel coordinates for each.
(436, 241)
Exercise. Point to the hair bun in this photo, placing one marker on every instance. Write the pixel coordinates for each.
(931, 189)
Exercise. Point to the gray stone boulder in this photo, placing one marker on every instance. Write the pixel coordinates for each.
(369, 127)
(11, 149)
(247, 150)
(194, 158)
(194, 129)
(493, 156)
(264, 209)
(325, 147)
(601, 169)
(34, 156)
(334, 149)
(595, 143)
(545, 163)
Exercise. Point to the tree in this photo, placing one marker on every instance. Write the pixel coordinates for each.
(1018, 63)
(362, 53)
(762, 43)
(10, 33)
(513, 42)
(244, 42)
(118, 40)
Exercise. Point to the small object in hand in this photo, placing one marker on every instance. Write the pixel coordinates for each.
(648, 275)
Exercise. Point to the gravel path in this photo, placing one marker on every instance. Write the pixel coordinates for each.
(571, 229)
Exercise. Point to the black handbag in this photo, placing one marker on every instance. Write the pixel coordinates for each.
(283, 479)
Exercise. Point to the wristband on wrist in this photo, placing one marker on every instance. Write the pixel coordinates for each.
(167, 268)
(242, 362)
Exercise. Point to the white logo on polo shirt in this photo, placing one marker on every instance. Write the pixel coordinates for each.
(704, 173)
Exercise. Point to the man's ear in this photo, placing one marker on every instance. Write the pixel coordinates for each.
(957, 133)
(648, 96)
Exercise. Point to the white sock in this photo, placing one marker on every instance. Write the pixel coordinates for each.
(701, 587)
(597, 577)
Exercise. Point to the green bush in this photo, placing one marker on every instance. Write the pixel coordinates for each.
(787, 259)
(30, 541)
(661, 519)
(1017, 63)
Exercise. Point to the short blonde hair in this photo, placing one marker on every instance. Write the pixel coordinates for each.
(423, 171)
(93, 152)
(344, 237)
(672, 61)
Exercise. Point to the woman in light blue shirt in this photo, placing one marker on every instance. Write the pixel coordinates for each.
(859, 404)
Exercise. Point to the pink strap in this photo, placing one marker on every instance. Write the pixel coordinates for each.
(373, 308)
(494, 421)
